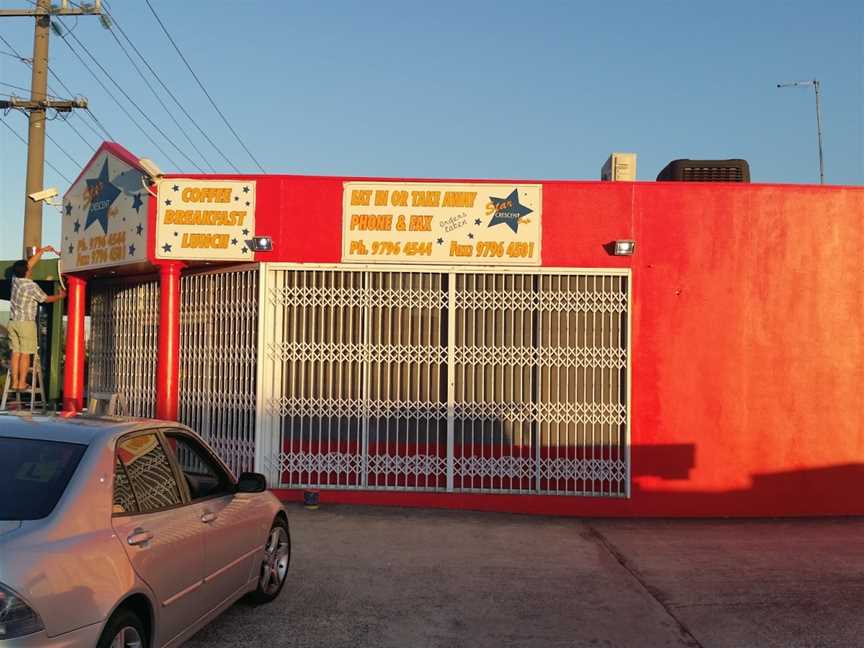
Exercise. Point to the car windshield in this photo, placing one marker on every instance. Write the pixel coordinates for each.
(33, 475)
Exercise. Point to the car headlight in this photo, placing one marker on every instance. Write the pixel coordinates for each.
(16, 617)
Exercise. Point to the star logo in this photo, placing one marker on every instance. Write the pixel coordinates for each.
(137, 202)
(440, 241)
(77, 226)
(70, 248)
(132, 250)
(508, 211)
(477, 221)
(68, 209)
(101, 194)
(245, 232)
(176, 187)
(245, 189)
(167, 202)
(166, 247)
(233, 241)
(139, 229)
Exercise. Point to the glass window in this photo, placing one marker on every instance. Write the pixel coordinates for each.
(149, 473)
(124, 498)
(204, 476)
(33, 476)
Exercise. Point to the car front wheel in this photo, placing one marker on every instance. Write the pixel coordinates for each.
(123, 630)
(274, 567)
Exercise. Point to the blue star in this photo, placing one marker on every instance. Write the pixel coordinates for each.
(77, 226)
(68, 209)
(139, 229)
(167, 247)
(477, 221)
(132, 250)
(245, 232)
(508, 211)
(102, 195)
(137, 202)
(233, 241)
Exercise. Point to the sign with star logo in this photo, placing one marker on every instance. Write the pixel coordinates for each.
(204, 220)
(437, 222)
(105, 216)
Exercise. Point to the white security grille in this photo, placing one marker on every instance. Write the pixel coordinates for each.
(123, 346)
(218, 354)
(465, 381)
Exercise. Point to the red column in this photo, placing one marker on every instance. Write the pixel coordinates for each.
(168, 363)
(73, 378)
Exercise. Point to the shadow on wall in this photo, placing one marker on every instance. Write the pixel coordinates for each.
(818, 491)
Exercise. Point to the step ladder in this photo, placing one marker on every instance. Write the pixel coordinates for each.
(36, 391)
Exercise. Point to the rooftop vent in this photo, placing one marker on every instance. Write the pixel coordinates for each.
(705, 171)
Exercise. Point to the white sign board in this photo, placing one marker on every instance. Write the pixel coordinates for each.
(205, 219)
(105, 216)
(435, 222)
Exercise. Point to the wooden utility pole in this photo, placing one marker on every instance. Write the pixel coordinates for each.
(39, 104)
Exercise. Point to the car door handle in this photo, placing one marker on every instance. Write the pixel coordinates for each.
(139, 537)
(208, 517)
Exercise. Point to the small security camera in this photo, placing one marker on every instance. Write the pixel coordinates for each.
(45, 194)
(150, 168)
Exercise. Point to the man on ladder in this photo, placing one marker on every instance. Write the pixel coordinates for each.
(23, 307)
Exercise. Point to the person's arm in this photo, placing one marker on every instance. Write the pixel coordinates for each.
(50, 299)
(32, 261)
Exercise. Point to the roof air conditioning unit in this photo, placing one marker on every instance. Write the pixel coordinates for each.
(705, 171)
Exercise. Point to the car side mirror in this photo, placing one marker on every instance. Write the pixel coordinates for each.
(251, 482)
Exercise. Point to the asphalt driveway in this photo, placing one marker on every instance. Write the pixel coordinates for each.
(363, 576)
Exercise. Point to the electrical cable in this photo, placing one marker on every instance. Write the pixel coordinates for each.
(132, 101)
(23, 141)
(201, 85)
(117, 101)
(159, 99)
(172, 95)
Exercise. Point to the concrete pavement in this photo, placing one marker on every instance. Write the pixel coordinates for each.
(401, 577)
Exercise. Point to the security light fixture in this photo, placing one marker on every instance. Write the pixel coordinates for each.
(624, 247)
(150, 168)
(262, 244)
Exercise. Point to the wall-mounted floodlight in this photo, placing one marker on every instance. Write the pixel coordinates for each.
(261, 244)
(624, 247)
(150, 168)
(45, 194)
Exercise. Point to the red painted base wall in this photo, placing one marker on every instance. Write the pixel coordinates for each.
(747, 346)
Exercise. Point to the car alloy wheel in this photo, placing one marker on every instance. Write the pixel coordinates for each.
(128, 637)
(277, 553)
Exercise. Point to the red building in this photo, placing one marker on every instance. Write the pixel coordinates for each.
(487, 349)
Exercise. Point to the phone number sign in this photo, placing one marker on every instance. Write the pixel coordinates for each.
(450, 223)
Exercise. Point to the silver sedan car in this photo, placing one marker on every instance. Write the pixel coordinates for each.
(126, 534)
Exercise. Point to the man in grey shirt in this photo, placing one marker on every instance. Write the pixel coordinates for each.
(23, 304)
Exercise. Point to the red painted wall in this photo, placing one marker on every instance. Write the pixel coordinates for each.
(747, 346)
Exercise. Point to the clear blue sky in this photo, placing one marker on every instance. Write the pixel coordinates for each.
(533, 90)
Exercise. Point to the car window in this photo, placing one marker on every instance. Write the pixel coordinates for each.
(204, 476)
(33, 475)
(124, 498)
(149, 474)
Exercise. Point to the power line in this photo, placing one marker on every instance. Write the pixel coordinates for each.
(29, 63)
(158, 98)
(132, 101)
(201, 85)
(24, 142)
(117, 101)
(171, 94)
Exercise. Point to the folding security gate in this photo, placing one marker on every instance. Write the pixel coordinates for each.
(124, 342)
(457, 380)
(218, 353)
